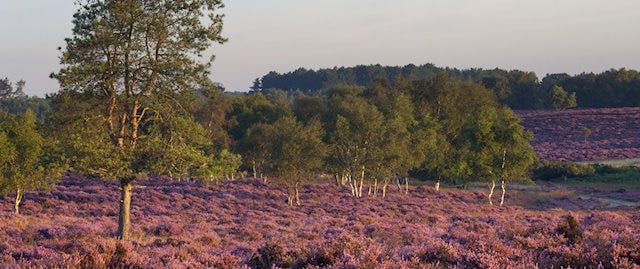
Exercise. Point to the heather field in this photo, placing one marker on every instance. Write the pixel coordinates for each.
(246, 223)
(615, 133)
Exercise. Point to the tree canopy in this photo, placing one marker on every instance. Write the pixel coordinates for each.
(133, 61)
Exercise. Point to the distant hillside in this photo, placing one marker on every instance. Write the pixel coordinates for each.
(614, 133)
(515, 88)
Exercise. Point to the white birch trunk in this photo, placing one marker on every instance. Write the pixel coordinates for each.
(18, 200)
(375, 188)
(297, 187)
(493, 186)
(504, 190)
(438, 185)
(361, 182)
(352, 185)
(406, 185)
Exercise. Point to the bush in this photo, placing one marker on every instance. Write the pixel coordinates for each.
(551, 170)
(571, 229)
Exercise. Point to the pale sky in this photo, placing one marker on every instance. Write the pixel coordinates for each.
(544, 36)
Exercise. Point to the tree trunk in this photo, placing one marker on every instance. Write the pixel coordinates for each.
(504, 190)
(438, 185)
(297, 189)
(18, 200)
(493, 186)
(351, 184)
(369, 190)
(406, 185)
(361, 182)
(375, 187)
(255, 174)
(384, 190)
(124, 220)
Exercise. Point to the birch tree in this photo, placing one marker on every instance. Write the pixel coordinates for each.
(23, 167)
(356, 138)
(297, 151)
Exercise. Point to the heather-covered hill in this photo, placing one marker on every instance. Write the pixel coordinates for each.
(246, 223)
(615, 133)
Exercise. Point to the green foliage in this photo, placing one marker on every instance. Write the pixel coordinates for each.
(475, 138)
(8, 91)
(210, 109)
(356, 135)
(516, 89)
(24, 166)
(20, 105)
(547, 170)
(221, 166)
(606, 176)
(129, 73)
(612, 88)
(296, 150)
(560, 99)
(248, 110)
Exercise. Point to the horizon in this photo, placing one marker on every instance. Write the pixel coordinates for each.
(544, 37)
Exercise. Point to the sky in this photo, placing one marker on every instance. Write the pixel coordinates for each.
(544, 36)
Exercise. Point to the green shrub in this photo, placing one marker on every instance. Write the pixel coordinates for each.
(547, 170)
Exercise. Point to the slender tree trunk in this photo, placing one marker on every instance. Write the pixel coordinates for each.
(384, 190)
(493, 186)
(361, 182)
(351, 184)
(406, 185)
(255, 174)
(18, 200)
(369, 190)
(438, 185)
(337, 178)
(124, 220)
(297, 189)
(504, 190)
(375, 187)
(398, 183)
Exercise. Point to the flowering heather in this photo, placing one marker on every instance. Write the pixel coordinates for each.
(558, 135)
(246, 223)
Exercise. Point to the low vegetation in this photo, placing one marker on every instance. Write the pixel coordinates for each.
(246, 223)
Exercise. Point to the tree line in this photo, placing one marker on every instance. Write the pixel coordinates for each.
(365, 138)
(136, 102)
(517, 89)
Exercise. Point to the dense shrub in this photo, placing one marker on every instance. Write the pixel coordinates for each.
(548, 170)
